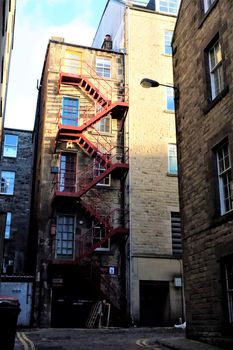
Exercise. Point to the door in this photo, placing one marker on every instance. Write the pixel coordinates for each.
(67, 181)
(72, 62)
(23, 292)
(70, 109)
(154, 303)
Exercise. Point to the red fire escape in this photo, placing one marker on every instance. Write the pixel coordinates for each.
(111, 160)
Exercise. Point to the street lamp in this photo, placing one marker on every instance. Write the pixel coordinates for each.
(150, 83)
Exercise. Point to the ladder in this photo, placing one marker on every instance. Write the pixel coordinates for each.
(94, 314)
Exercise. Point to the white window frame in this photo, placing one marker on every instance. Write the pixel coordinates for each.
(7, 182)
(207, 4)
(98, 170)
(64, 244)
(215, 69)
(7, 232)
(172, 158)
(99, 233)
(170, 99)
(224, 172)
(104, 67)
(168, 6)
(228, 270)
(104, 126)
(168, 34)
(10, 149)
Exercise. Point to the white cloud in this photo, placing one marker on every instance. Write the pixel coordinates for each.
(28, 54)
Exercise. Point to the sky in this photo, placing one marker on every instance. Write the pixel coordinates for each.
(36, 22)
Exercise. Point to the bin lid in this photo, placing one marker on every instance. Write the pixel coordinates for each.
(9, 301)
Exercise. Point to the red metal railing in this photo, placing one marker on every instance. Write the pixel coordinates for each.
(80, 68)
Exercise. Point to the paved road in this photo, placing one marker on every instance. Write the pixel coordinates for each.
(92, 339)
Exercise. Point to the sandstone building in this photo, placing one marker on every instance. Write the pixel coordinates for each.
(7, 21)
(143, 31)
(203, 66)
(106, 206)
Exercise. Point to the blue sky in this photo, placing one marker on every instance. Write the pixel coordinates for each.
(36, 22)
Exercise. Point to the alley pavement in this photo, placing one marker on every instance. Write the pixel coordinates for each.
(110, 339)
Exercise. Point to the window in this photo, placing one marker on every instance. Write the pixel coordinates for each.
(172, 159)
(103, 67)
(98, 233)
(69, 115)
(10, 146)
(170, 99)
(167, 42)
(207, 4)
(72, 62)
(176, 233)
(104, 125)
(168, 6)
(224, 178)
(8, 226)
(65, 236)
(7, 182)
(67, 181)
(98, 170)
(228, 287)
(215, 69)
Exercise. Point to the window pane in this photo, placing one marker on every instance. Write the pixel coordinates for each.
(7, 182)
(8, 225)
(170, 99)
(10, 146)
(167, 42)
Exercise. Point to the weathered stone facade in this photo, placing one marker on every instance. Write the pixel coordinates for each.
(204, 125)
(84, 277)
(16, 250)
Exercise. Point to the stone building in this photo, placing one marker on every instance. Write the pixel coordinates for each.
(7, 21)
(15, 198)
(79, 206)
(143, 31)
(202, 48)
(106, 206)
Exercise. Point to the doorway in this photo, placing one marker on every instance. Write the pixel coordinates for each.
(154, 303)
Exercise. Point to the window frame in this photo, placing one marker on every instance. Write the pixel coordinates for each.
(207, 5)
(10, 146)
(98, 170)
(161, 5)
(172, 158)
(214, 88)
(60, 237)
(11, 183)
(64, 110)
(98, 238)
(224, 177)
(102, 125)
(168, 34)
(227, 275)
(170, 99)
(103, 68)
(8, 223)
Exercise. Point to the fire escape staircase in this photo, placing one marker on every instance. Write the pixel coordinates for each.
(86, 85)
(117, 110)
